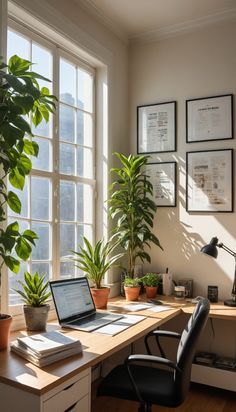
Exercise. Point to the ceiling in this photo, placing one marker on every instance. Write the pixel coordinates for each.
(147, 19)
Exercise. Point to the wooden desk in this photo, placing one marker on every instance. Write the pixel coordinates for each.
(57, 386)
(53, 388)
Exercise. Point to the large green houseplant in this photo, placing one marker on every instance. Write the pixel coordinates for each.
(21, 99)
(95, 262)
(132, 206)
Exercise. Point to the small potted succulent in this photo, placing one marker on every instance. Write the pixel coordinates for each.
(95, 262)
(132, 288)
(151, 282)
(35, 292)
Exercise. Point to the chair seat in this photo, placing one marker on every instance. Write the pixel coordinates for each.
(156, 386)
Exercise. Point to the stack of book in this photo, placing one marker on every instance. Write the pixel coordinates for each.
(45, 348)
(206, 358)
(225, 363)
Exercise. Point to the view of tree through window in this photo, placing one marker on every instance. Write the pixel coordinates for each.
(58, 198)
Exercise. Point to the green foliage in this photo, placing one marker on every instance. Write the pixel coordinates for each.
(131, 282)
(151, 279)
(34, 290)
(95, 261)
(131, 205)
(20, 96)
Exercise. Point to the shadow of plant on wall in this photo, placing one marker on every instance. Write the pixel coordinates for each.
(183, 234)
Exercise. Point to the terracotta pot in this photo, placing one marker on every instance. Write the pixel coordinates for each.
(5, 326)
(36, 317)
(132, 294)
(151, 291)
(100, 297)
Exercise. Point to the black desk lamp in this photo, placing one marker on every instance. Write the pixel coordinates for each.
(211, 250)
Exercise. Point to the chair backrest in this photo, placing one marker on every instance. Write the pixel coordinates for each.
(187, 347)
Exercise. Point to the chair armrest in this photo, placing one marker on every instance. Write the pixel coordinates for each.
(160, 333)
(146, 358)
(165, 333)
(153, 359)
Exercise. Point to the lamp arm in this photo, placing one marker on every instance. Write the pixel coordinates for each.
(227, 249)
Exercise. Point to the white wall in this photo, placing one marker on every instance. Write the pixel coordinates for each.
(197, 64)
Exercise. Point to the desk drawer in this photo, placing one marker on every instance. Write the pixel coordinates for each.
(67, 400)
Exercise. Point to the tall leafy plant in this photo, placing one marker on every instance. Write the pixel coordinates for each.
(95, 261)
(20, 98)
(132, 206)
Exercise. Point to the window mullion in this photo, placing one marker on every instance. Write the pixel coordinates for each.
(56, 179)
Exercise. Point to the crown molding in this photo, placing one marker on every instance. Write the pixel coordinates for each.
(185, 27)
(94, 11)
(162, 33)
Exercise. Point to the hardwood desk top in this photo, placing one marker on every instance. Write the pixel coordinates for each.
(217, 310)
(17, 372)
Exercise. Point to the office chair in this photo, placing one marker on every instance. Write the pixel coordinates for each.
(140, 381)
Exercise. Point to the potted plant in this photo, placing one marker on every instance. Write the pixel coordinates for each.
(20, 96)
(132, 206)
(132, 288)
(34, 293)
(151, 282)
(95, 262)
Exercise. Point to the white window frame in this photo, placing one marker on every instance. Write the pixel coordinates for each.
(54, 175)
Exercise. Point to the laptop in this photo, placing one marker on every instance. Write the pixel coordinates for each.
(75, 307)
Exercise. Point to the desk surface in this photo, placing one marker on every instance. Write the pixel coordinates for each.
(17, 372)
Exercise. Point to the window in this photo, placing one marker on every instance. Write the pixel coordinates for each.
(58, 198)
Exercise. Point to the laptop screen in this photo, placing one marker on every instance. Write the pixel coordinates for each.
(72, 298)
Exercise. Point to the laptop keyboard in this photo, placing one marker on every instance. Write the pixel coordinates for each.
(96, 319)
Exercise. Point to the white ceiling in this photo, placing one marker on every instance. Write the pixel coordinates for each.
(146, 19)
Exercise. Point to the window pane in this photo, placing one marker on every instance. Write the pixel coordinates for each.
(67, 123)
(23, 196)
(42, 58)
(85, 90)
(42, 249)
(67, 270)
(67, 239)
(44, 129)
(40, 192)
(43, 161)
(14, 298)
(84, 203)
(67, 159)
(84, 162)
(67, 82)
(43, 268)
(84, 129)
(17, 44)
(83, 230)
(67, 201)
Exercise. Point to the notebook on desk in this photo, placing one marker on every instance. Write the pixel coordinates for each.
(75, 307)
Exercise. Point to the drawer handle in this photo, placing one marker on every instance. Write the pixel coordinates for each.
(70, 408)
(68, 387)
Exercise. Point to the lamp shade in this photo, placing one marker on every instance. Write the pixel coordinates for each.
(211, 248)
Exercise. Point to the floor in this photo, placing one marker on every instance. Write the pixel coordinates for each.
(200, 399)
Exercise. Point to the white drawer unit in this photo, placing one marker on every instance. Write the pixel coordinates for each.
(73, 395)
(69, 395)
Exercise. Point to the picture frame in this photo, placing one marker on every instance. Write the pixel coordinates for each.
(209, 118)
(156, 128)
(209, 181)
(162, 175)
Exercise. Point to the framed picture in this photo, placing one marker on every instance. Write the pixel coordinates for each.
(156, 128)
(209, 118)
(209, 181)
(163, 178)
